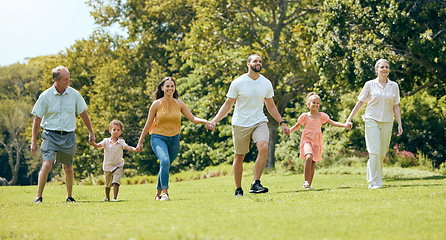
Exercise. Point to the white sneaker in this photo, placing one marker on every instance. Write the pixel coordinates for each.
(374, 187)
(114, 200)
(307, 186)
(165, 197)
(106, 200)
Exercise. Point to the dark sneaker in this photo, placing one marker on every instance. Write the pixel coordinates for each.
(70, 199)
(256, 187)
(38, 200)
(239, 192)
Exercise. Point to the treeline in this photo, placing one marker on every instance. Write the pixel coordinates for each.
(326, 46)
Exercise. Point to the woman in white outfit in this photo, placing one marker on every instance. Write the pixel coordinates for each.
(382, 97)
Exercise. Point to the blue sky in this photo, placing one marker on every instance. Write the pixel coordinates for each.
(31, 28)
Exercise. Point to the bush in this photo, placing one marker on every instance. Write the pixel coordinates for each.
(401, 158)
(442, 168)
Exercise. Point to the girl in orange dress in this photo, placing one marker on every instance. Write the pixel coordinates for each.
(311, 141)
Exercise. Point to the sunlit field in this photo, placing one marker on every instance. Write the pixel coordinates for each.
(340, 207)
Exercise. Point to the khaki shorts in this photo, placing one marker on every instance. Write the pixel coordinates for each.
(242, 136)
(114, 175)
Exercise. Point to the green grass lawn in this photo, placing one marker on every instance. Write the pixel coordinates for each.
(340, 207)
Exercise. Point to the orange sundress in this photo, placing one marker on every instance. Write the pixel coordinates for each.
(312, 134)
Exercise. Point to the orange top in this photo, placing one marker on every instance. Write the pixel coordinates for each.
(312, 134)
(167, 120)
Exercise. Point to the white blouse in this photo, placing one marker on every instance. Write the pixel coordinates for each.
(380, 100)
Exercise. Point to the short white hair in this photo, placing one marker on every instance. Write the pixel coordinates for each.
(380, 61)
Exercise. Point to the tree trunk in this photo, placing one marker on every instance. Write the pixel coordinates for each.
(273, 132)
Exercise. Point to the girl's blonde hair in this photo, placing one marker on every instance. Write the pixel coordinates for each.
(311, 94)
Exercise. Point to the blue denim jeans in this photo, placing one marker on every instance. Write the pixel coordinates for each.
(166, 150)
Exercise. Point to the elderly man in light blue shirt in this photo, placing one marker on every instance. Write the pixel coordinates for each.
(55, 111)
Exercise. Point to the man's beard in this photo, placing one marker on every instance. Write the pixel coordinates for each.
(255, 69)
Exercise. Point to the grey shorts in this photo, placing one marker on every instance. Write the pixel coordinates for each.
(59, 148)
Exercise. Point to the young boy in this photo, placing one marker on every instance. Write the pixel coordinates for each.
(113, 161)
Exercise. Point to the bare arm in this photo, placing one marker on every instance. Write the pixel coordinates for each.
(337, 124)
(272, 109)
(397, 113)
(186, 112)
(150, 119)
(86, 119)
(224, 110)
(131, 149)
(295, 127)
(95, 144)
(355, 110)
(35, 131)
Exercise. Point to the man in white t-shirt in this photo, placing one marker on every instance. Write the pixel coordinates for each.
(250, 92)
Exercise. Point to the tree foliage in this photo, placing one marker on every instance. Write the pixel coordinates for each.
(329, 46)
(352, 35)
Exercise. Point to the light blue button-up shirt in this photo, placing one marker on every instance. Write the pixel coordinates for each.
(58, 112)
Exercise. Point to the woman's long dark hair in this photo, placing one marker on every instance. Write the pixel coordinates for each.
(160, 93)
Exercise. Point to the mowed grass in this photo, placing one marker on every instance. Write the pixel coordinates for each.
(340, 207)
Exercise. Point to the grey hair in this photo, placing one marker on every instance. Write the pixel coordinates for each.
(56, 71)
(380, 61)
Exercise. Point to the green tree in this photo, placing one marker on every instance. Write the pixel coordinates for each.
(352, 35)
(277, 30)
(19, 87)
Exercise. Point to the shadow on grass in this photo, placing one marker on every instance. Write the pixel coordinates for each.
(412, 185)
(314, 190)
(100, 201)
(415, 179)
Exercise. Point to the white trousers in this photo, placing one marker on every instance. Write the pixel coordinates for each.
(377, 139)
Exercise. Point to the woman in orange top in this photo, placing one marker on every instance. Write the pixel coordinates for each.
(163, 123)
(311, 142)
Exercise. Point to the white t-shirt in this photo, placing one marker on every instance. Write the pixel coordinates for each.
(113, 152)
(380, 100)
(250, 97)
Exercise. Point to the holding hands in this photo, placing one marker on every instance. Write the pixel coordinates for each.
(210, 125)
(348, 125)
(139, 147)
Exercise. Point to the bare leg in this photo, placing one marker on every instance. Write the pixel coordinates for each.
(310, 177)
(69, 179)
(307, 169)
(43, 176)
(262, 147)
(115, 190)
(237, 168)
(107, 192)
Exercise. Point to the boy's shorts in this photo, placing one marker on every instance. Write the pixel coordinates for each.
(242, 136)
(58, 147)
(114, 175)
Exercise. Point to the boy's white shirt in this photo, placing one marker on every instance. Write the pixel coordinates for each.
(250, 98)
(113, 152)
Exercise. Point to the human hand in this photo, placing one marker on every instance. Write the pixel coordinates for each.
(33, 147)
(400, 130)
(210, 125)
(348, 125)
(91, 138)
(285, 129)
(139, 147)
